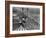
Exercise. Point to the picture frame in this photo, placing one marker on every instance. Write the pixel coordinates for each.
(37, 18)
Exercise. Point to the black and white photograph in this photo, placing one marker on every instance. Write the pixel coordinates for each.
(25, 18)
